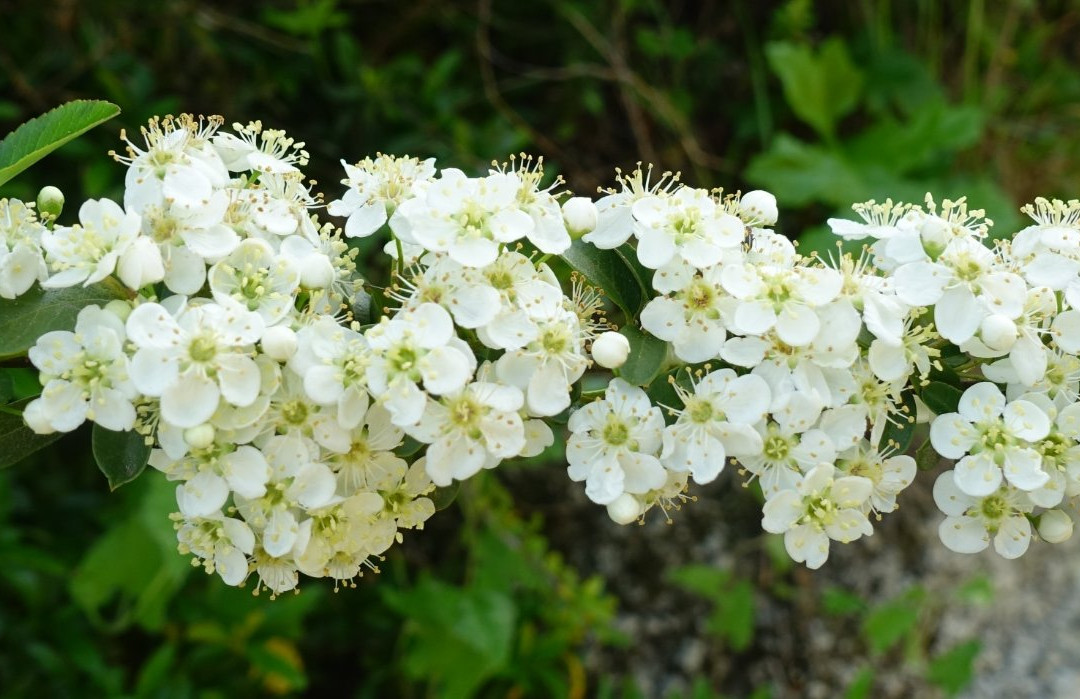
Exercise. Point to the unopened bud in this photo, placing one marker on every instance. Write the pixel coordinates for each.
(758, 207)
(610, 350)
(1055, 526)
(624, 509)
(50, 202)
(119, 308)
(316, 272)
(279, 343)
(998, 332)
(579, 214)
(199, 436)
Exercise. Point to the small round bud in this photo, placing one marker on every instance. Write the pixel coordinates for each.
(998, 332)
(610, 350)
(758, 207)
(50, 202)
(34, 415)
(316, 272)
(1055, 526)
(119, 308)
(279, 343)
(579, 214)
(199, 436)
(624, 509)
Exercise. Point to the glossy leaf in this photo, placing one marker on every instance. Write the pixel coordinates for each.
(121, 456)
(40, 136)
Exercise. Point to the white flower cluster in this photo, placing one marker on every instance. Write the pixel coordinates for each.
(304, 440)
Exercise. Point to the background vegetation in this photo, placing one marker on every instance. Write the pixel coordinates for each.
(822, 103)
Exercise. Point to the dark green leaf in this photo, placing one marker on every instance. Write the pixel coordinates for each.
(25, 319)
(862, 684)
(40, 136)
(607, 270)
(19, 440)
(647, 355)
(886, 624)
(444, 497)
(807, 173)
(941, 397)
(121, 456)
(953, 669)
(926, 459)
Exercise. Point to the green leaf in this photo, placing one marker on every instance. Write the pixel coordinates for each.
(121, 456)
(40, 136)
(17, 383)
(862, 684)
(953, 669)
(608, 270)
(19, 440)
(135, 564)
(926, 459)
(443, 497)
(25, 319)
(820, 86)
(941, 397)
(931, 133)
(807, 173)
(840, 602)
(886, 624)
(647, 355)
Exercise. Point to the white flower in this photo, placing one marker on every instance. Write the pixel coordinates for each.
(86, 374)
(692, 319)
(259, 149)
(971, 520)
(580, 215)
(615, 219)
(610, 349)
(888, 474)
(192, 361)
(21, 259)
(546, 368)
(786, 455)
(87, 253)
(990, 436)
(687, 223)
(376, 188)
(757, 208)
(370, 454)
(222, 543)
(613, 443)
(255, 277)
(333, 362)
(468, 218)
(821, 507)
(416, 346)
(784, 298)
(717, 418)
(474, 428)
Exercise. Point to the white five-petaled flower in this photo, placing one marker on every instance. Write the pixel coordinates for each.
(821, 507)
(613, 444)
(376, 188)
(688, 223)
(86, 374)
(991, 436)
(971, 520)
(474, 428)
(192, 361)
(88, 252)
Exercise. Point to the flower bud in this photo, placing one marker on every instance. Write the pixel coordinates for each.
(141, 264)
(579, 213)
(610, 350)
(316, 272)
(624, 509)
(119, 308)
(998, 332)
(279, 343)
(50, 202)
(1055, 526)
(199, 436)
(758, 207)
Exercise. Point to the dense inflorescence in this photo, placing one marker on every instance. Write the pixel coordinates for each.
(306, 434)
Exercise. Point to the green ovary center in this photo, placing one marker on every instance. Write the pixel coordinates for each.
(202, 348)
(616, 433)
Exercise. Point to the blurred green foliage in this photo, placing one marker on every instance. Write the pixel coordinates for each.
(824, 103)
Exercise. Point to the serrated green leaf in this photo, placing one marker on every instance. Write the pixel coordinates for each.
(19, 440)
(41, 135)
(941, 397)
(647, 355)
(608, 270)
(38, 311)
(121, 456)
